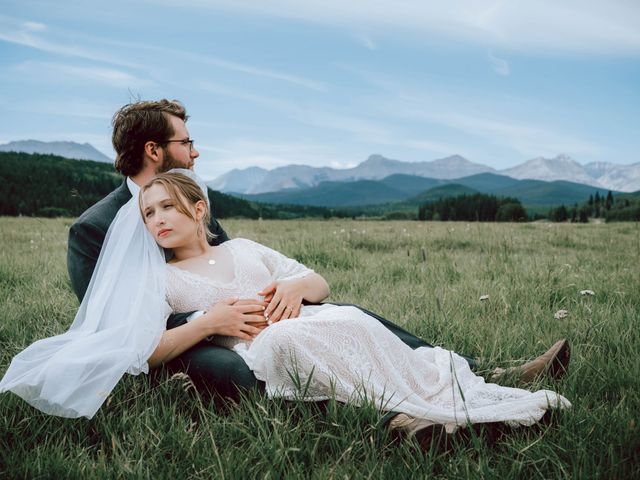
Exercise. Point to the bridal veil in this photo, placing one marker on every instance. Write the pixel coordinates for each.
(118, 326)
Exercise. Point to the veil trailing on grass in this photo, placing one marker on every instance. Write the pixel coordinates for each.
(118, 326)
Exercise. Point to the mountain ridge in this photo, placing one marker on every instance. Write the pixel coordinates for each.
(624, 178)
(375, 167)
(412, 191)
(66, 149)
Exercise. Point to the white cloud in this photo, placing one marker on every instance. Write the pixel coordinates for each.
(430, 146)
(255, 71)
(366, 41)
(34, 26)
(361, 127)
(245, 152)
(66, 73)
(543, 26)
(465, 112)
(341, 165)
(365, 130)
(500, 66)
(25, 34)
(530, 140)
(68, 108)
(262, 100)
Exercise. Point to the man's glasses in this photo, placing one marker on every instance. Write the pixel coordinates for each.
(187, 142)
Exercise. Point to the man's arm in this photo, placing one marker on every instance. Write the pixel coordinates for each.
(85, 243)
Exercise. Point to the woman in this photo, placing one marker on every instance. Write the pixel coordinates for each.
(310, 352)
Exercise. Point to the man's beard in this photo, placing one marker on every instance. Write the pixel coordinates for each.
(169, 162)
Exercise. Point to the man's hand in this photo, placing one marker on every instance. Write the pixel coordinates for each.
(284, 299)
(234, 317)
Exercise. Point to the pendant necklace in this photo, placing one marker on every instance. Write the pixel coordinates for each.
(210, 261)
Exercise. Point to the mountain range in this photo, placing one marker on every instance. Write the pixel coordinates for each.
(411, 191)
(73, 150)
(257, 180)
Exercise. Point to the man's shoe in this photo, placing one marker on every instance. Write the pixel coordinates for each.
(554, 362)
(426, 432)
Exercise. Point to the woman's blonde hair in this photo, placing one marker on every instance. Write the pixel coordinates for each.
(185, 193)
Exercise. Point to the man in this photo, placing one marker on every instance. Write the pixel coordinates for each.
(151, 137)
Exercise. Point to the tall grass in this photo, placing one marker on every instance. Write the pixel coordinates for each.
(427, 277)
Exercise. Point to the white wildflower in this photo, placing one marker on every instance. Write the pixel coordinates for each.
(587, 292)
(561, 314)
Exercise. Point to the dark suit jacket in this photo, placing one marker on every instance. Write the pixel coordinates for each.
(87, 233)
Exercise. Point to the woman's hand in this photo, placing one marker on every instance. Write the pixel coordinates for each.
(235, 318)
(243, 318)
(285, 297)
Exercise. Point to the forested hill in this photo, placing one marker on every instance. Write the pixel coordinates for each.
(48, 185)
(52, 186)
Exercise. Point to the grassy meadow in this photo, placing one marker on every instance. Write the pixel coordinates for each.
(425, 276)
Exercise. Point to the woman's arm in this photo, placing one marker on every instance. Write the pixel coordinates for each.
(232, 317)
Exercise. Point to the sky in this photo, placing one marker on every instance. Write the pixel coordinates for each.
(327, 83)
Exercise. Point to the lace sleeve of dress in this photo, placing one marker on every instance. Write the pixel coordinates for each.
(280, 266)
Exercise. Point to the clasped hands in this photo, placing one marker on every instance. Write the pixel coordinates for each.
(246, 318)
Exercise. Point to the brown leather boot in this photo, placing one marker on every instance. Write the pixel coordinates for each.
(554, 362)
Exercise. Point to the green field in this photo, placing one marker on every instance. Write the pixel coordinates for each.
(427, 277)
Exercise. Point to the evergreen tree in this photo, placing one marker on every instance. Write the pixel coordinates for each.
(609, 201)
(477, 207)
(511, 212)
(559, 214)
(584, 214)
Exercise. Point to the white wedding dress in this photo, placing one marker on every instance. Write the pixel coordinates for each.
(340, 351)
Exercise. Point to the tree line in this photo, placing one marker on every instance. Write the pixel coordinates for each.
(478, 207)
(52, 186)
(625, 207)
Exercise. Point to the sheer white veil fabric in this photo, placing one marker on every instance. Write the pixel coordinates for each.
(118, 326)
